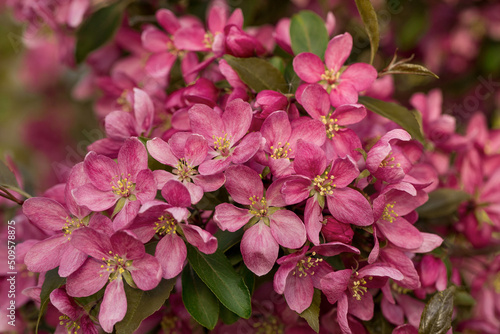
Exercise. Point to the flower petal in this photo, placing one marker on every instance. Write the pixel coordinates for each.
(287, 229)
(132, 158)
(146, 272)
(161, 151)
(87, 280)
(228, 217)
(200, 238)
(338, 50)
(113, 306)
(45, 213)
(299, 292)
(171, 252)
(237, 118)
(308, 67)
(242, 182)
(176, 194)
(350, 206)
(335, 284)
(259, 249)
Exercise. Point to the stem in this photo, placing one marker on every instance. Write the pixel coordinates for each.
(9, 196)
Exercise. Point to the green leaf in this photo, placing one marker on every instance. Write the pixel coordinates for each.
(141, 304)
(436, 317)
(227, 316)
(200, 302)
(226, 239)
(370, 21)
(411, 69)
(258, 74)
(311, 314)
(52, 281)
(410, 120)
(218, 274)
(7, 177)
(211, 199)
(442, 202)
(308, 33)
(98, 29)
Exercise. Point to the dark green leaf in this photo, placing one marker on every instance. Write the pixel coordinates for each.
(200, 302)
(411, 69)
(308, 33)
(98, 29)
(141, 304)
(370, 21)
(409, 120)
(378, 325)
(218, 274)
(210, 200)
(436, 317)
(442, 202)
(227, 316)
(248, 277)
(258, 74)
(52, 281)
(311, 314)
(87, 303)
(226, 239)
(7, 178)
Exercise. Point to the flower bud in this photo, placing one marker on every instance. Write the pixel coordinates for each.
(334, 230)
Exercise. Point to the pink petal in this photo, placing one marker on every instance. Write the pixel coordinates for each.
(162, 177)
(310, 160)
(71, 260)
(146, 272)
(259, 249)
(45, 213)
(344, 171)
(161, 151)
(342, 309)
(87, 280)
(308, 67)
(113, 306)
(273, 193)
(344, 93)
(190, 39)
(279, 281)
(359, 75)
(217, 16)
(287, 229)
(344, 143)
(195, 191)
(296, 189)
(337, 51)
(242, 182)
(176, 194)
(91, 242)
(144, 111)
(100, 170)
(247, 148)
(311, 131)
(126, 215)
(205, 121)
(362, 309)
(349, 114)
(315, 101)
(335, 284)
(195, 150)
(237, 118)
(312, 220)
(334, 248)
(299, 292)
(132, 158)
(381, 270)
(93, 198)
(119, 125)
(60, 299)
(350, 206)
(171, 252)
(145, 187)
(228, 217)
(76, 178)
(214, 166)
(127, 246)
(401, 233)
(167, 20)
(210, 182)
(46, 254)
(154, 40)
(276, 129)
(430, 242)
(200, 238)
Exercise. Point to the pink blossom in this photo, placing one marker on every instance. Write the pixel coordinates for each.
(269, 226)
(342, 85)
(74, 318)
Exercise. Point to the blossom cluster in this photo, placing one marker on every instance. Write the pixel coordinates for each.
(316, 189)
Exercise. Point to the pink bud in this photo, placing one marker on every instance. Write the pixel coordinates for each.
(334, 230)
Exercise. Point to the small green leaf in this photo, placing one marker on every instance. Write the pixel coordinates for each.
(370, 21)
(98, 29)
(442, 202)
(52, 281)
(411, 69)
(216, 272)
(226, 239)
(258, 74)
(410, 120)
(311, 314)
(436, 317)
(7, 178)
(141, 304)
(463, 298)
(308, 33)
(200, 302)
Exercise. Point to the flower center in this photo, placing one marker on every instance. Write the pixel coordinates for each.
(389, 214)
(71, 326)
(116, 265)
(496, 283)
(208, 40)
(331, 125)
(258, 207)
(358, 287)
(222, 144)
(71, 225)
(331, 78)
(281, 151)
(122, 186)
(306, 266)
(184, 170)
(324, 183)
(268, 325)
(123, 102)
(165, 225)
(389, 161)
(169, 323)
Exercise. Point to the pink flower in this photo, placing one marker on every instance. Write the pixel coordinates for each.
(112, 259)
(340, 140)
(269, 226)
(74, 318)
(343, 85)
(223, 134)
(320, 181)
(349, 289)
(128, 182)
(184, 152)
(165, 220)
(300, 273)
